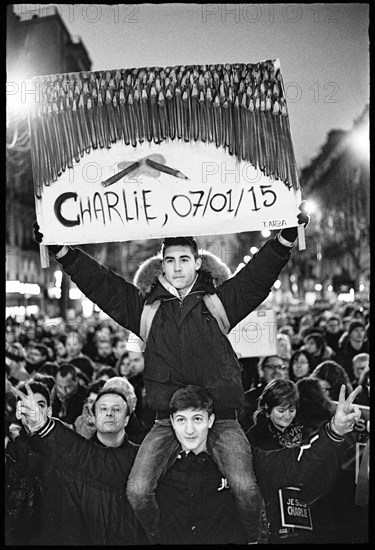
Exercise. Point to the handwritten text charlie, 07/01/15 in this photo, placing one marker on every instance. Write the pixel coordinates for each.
(127, 207)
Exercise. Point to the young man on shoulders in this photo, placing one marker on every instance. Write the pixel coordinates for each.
(195, 501)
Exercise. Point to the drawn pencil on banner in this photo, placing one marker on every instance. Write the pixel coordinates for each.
(166, 169)
(123, 173)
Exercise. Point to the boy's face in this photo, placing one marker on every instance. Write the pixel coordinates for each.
(180, 266)
(357, 335)
(191, 428)
(45, 410)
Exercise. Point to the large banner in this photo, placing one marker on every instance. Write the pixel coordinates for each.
(145, 153)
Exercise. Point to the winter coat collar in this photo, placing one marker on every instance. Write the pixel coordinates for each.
(171, 289)
(150, 274)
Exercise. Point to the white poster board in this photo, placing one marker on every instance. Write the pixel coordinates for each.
(255, 336)
(221, 195)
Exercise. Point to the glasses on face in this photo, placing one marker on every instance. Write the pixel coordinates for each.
(276, 367)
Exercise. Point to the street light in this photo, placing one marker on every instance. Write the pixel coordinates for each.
(311, 207)
(360, 141)
(18, 94)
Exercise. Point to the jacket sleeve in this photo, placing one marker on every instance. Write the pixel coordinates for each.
(246, 290)
(313, 466)
(117, 297)
(64, 448)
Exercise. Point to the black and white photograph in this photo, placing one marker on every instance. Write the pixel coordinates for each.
(187, 264)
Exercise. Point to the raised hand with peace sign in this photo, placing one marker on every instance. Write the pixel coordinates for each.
(346, 413)
(32, 408)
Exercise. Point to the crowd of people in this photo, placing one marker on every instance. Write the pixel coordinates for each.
(288, 397)
(184, 442)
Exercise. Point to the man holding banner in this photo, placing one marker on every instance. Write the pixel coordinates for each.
(186, 346)
(203, 146)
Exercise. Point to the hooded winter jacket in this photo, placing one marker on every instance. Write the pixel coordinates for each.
(185, 344)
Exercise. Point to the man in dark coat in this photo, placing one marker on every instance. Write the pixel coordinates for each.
(68, 395)
(21, 493)
(186, 346)
(83, 487)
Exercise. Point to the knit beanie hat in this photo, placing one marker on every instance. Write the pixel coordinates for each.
(355, 323)
(112, 391)
(121, 384)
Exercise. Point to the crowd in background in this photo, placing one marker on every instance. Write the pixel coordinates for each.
(316, 354)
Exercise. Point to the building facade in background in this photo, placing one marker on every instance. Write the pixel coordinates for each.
(37, 43)
(337, 181)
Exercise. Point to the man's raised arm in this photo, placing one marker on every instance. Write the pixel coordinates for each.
(117, 297)
(55, 442)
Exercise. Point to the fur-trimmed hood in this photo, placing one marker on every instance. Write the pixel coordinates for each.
(148, 272)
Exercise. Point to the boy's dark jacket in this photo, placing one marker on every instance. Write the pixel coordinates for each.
(196, 506)
(185, 344)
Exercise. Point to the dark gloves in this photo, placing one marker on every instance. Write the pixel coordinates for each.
(291, 233)
(38, 237)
